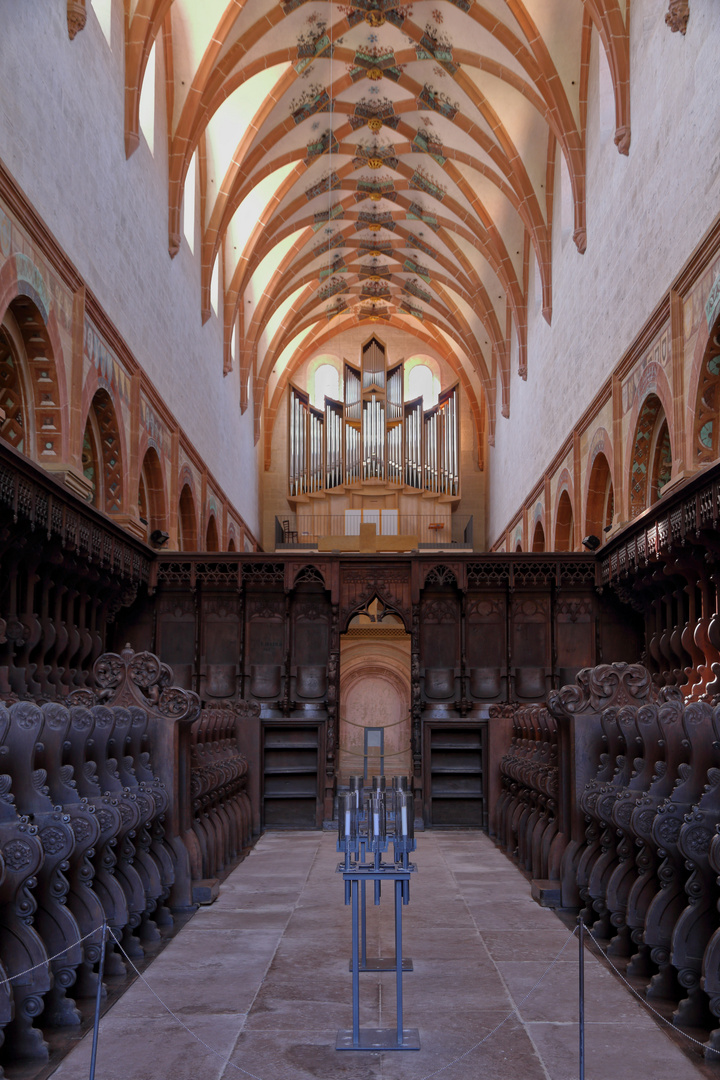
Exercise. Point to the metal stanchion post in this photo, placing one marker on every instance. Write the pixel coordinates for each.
(356, 968)
(98, 1000)
(581, 995)
(398, 960)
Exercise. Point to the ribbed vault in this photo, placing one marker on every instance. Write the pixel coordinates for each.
(376, 161)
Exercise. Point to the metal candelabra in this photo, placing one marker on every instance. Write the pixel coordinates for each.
(368, 822)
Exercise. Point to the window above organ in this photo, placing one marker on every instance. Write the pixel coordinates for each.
(363, 428)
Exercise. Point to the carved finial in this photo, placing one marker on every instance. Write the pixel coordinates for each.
(580, 238)
(678, 15)
(76, 17)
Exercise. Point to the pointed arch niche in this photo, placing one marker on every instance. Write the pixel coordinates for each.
(600, 507)
(212, 542)
(564, 523)
(187, 520)
(538, 543)
(101, 454)
(706, 431)
(375, 690)
(31, 395)
(151, 493)
(651, 465)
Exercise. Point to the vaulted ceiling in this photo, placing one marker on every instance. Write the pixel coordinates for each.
(378, 160)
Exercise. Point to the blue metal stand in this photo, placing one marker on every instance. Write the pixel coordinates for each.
(363, 832)
(374, 963)
(397, 1038)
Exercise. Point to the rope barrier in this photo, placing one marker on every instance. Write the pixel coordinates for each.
(44, 963)
(363, 727)
(513, 1012)
(641, 999)
(436, 1072)
(375, 757)
(223, 1057)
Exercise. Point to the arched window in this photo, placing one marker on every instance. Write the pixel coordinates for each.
(211, 537)
(188, 520)
(600, 500)
(327, 384)
(422, 383)
(231, 544)
(564, 524)
(538, 543)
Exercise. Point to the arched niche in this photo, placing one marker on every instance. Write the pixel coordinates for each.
(151, 493)
(187, 533)
(564, 523)
(31, 395)
(706, 428)
(231, 544)
(14, 428)
(538, 543)
(651, 463)
(212, 542)
(101, 454)
(600, 507)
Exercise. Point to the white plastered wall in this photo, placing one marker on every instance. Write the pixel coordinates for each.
(646, 213)
(61, 138)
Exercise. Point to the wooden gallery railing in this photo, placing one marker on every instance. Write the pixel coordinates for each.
(116, 805)
(611, 799)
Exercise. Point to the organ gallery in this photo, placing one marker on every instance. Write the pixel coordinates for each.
(359, 390)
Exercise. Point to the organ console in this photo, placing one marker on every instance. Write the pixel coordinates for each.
(374, 434)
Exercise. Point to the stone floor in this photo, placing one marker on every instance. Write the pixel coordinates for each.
(261, 977)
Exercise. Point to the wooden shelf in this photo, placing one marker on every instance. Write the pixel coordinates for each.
(291, 761)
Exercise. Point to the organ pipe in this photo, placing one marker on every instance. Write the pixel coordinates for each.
(374, 434)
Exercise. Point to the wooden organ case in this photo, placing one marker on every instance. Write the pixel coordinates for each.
(374, 454)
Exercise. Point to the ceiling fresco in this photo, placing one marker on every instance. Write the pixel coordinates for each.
(376, 161)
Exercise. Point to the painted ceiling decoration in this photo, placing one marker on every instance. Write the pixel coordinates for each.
(376, 160)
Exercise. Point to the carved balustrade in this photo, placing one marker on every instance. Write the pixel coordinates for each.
(526, 811)
(639, 807)
(99, 797)
(221, 828)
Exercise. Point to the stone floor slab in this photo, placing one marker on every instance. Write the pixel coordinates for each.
(262, 977)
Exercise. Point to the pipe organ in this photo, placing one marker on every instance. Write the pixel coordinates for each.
(374, 434)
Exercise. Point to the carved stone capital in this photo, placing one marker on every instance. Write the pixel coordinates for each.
(76, 17)
(677, 15)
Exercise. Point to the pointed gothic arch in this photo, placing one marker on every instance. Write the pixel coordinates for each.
(600, 507)
(151, 493)
(102, 454)
(212, 541)
(651, 462)
(187, 520)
